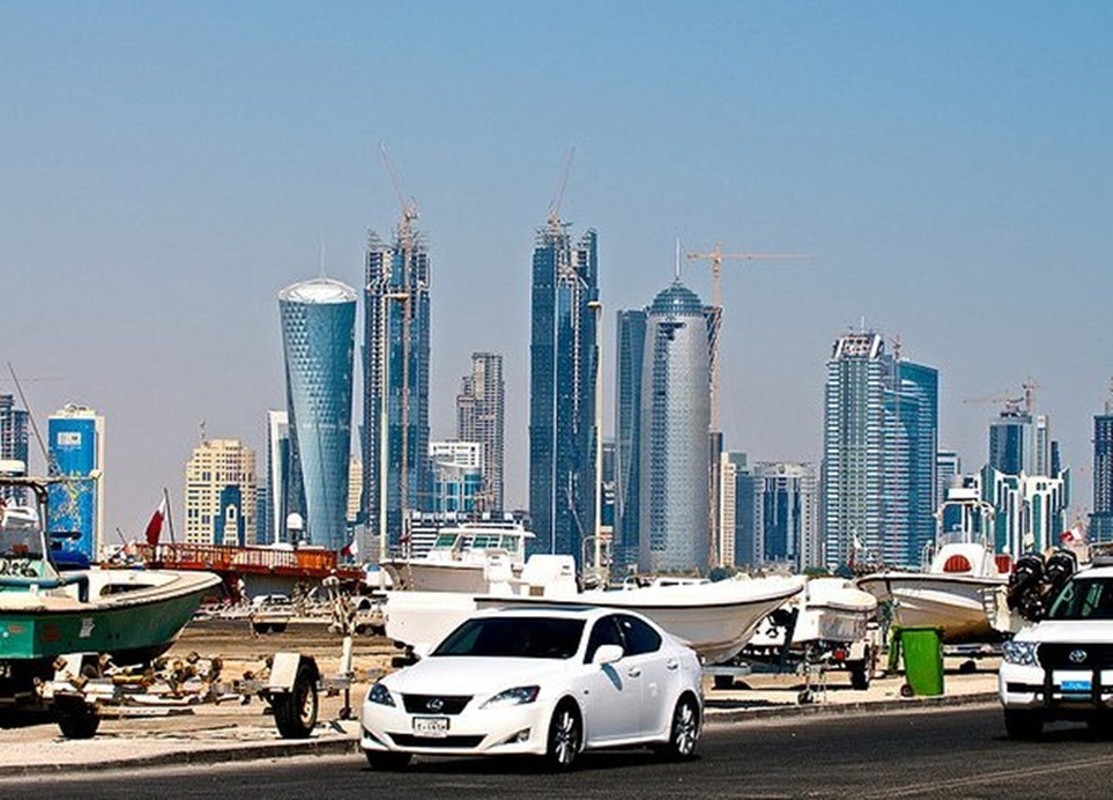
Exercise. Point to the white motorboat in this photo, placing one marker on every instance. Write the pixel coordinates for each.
(714, 619)
(832, 610)
(462, 558)
(951, 593)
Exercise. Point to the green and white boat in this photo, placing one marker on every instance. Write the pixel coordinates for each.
(130, 615)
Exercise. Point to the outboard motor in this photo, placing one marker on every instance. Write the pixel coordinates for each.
(1026, 586)
(1060, 566)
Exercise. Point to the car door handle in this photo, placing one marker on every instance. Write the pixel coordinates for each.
(672, 663)
(634, 672)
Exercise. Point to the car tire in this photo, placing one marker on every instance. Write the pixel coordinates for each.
(1023, 725)
(565, 737)
(387, 762)
(684, 730)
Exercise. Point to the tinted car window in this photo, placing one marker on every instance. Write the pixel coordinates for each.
(1083, 598)
(605, 632)
(640, 638)
(514, 637)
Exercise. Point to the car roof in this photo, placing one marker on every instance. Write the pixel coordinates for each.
(569, 611)
(1102, 571)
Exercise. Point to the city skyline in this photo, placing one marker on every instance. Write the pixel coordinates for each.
(172, 168)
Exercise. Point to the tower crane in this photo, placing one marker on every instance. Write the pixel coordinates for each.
(553, 217)
(716, 257)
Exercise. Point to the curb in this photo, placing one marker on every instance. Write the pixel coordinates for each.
(724, 716)
(211, 755)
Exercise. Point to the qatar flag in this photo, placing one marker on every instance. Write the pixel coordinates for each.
(154, 527)
(351, 549)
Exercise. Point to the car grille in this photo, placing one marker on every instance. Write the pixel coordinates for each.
(453, 742)
(419, 703)
(1055, 655)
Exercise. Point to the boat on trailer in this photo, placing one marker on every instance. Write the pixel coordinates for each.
(129, 616)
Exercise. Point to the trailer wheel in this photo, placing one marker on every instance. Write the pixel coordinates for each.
(861, 672)
(260, 627)
(724, 681)
(76, 718)
(295, 711)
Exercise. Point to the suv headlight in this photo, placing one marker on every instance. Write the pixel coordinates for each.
(381, 695)
(1021, 653)
(519, 695)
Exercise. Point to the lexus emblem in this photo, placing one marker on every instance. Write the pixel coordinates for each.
(1077, 656)
(436, 704)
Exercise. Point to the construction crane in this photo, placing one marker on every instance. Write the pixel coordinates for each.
(1011, 404)
(716, 257)
(553, 217)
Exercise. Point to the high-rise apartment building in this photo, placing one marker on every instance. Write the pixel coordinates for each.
(948, 474)
(396, 367)
(628, 390)
(880, 446)
(318, 325)
(736, 511)
(278, 480)
(13, 440)
(675, 426)
(458, 478)
(563, 372)
(75, 436)
(1101, 520)
(1020, 443)
(481, 417)
(1030, 509)
(220, 498)
(786, 505)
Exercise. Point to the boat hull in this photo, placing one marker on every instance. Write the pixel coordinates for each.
(953, 603)
(134, 616)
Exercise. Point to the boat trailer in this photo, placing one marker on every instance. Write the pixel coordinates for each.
(87, 687)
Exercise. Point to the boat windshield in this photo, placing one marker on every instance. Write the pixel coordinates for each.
(20, 537)
(1084, 598)
(445, 541)
(514, 637)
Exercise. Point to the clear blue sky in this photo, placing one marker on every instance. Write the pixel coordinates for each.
(166, 168)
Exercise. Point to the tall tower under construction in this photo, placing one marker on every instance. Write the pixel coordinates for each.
(563, 371)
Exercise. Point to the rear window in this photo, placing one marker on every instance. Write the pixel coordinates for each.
(514, 637)
(1084, 598)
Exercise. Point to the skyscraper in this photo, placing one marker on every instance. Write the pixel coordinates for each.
(675, 424)
(880, 445)
(75, 436)
(396, 352)
(13, 439)
(1101, 520)
(563, 371)
(318, 323)
(458, 472)
(628, 390)
(220, 494)
(786, 505)
(1020, 442)
(278, 477)
(481, 417)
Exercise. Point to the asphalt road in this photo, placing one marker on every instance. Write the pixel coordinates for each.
(946, 753)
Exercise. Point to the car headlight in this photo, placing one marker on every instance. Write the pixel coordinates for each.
(519, 695)
(381, 695)
(1020, 653)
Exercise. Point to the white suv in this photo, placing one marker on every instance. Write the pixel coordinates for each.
(1061, 668)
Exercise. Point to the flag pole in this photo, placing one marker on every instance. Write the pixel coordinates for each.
(169, 516)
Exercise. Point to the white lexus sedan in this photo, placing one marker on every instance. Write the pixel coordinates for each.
(550, 682)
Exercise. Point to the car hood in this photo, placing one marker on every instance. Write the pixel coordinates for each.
(474, 675)
(1071, 630)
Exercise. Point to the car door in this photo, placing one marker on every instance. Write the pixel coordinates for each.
(609, 695)
(657, 672)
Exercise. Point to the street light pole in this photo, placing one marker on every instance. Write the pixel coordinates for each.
(597, 307)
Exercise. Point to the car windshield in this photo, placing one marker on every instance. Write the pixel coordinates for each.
(514, 637)
(1084, 598)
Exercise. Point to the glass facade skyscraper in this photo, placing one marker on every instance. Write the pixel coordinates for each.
(396, 352)
(880, 445)
(318, 334)
(1101, 520)
(628, 390)
(13, 441)
(674, 511)
(563, 371)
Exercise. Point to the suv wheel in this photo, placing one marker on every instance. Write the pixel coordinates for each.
(1023, 724)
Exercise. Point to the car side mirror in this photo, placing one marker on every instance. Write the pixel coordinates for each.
(608, 654)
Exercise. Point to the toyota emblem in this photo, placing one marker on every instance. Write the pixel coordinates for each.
(1077, 656)
(436, 704)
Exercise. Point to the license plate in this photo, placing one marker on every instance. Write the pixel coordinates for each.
(1076, 686)
(433, 727)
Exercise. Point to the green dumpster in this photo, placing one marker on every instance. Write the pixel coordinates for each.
(922, 649)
